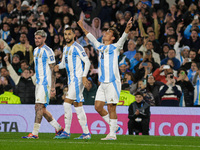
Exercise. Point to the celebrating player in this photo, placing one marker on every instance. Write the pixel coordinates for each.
(73, 57)
(45, 81)
(110, 87)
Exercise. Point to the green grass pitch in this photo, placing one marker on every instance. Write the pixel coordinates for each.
(13, 141)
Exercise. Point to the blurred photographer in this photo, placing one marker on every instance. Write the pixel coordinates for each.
(187, 88)
(170, 93)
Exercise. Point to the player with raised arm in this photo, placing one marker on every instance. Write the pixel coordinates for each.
(45, 82)
(110, 87)
(73, 58)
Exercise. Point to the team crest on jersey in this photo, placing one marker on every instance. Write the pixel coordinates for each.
(70, 53)
(66, 52)
(106, 51)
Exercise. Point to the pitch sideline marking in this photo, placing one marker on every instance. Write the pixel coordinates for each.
(126, 144)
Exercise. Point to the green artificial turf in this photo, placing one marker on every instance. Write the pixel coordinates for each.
(13, 141)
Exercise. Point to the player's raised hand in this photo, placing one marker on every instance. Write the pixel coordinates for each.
(80, 22)
(129, 25)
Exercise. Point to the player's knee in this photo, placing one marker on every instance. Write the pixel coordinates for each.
(98, 108)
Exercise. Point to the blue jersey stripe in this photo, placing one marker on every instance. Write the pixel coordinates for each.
(66, 65)
(111, 58)
(197, 99)
(46, 95)
(48, 49)
(78, 46)
(44, 63)
(102, 78)
(36, 66)
(75, 78)
(115, 86)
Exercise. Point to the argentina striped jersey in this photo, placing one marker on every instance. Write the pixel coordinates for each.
(108, 58)
(73, 60)
(42, 58)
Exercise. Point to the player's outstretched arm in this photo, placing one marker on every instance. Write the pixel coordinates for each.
(122, 40)
(89, 35)
(80, 23)
(128, 25)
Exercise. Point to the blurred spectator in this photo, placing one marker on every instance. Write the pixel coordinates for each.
(147, 95)
(87, 8)
(94, 29)
(135, 60)
(194, 40)
(183, 55)
(89, 93)
(186, 87)
(148, 46)
(139, 116)
(16, 63)
(192, 57)
(158, 73)
(21, 11)
(170, 93)
(131, 49)
(24, 47)
(27, 95)
(153, 86)
(105, 13)
(8, 97)
(5, 34)
(192, 71)
(196, 83)
(172, 55)
(165, 50)
(129, 83)
(6, 76)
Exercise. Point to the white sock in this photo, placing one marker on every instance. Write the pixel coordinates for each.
(55, 124)
(36, 128)
(113, 124)
(68, 116)
(82, 119)
(106, 118)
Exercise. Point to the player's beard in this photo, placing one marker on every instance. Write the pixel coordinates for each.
(69, 41)
(39, 44)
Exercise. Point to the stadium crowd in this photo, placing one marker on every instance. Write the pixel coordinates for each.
(160, 58)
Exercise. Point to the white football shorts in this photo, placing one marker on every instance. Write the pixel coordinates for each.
(109, 92)
(42, 94)
(75, 91)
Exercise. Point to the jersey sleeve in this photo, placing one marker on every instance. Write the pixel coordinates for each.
(93, 40)
(122, 40)
(85, 59)
(51, 56)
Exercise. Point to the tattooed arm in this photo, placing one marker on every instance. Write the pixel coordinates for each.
(53, 79)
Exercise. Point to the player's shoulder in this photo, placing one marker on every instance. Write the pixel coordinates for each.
(78, 46)
(48, 49)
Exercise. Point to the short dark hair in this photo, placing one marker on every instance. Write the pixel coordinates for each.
(69, 28)
(141, 53)
(139, 93)
(24, 61)
(115, 34)
(3, 68)
(172, 50)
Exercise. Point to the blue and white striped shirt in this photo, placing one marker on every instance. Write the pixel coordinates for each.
(108, 58)
(42, 58)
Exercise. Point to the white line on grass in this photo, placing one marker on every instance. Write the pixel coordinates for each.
(101, 143)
